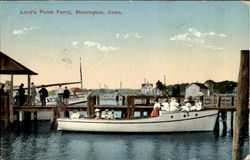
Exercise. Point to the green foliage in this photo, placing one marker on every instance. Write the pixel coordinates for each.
(52, 93)
(217, 87)
(182, 87)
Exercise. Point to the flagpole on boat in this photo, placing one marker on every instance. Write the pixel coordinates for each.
(81, 72)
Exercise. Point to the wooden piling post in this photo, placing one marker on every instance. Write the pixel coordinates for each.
(232, 116)
(98, 100)
(217, 123)
(92, 105)
(128, 107)
(89, 106)
(123, 100)
(224, 122)
(4, 110)
(133, 106)
(29, 97)
(11, 101)
(241, 115)
(232, 122)
(141, 113)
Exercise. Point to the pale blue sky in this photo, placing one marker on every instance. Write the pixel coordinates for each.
(187, 41)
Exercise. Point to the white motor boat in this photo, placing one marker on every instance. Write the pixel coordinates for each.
(166, 122)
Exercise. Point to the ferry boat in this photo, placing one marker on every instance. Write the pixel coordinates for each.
(167, 121)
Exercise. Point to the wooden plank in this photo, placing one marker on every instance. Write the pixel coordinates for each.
(242, 112)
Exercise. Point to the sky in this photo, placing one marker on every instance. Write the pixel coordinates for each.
(183, 40)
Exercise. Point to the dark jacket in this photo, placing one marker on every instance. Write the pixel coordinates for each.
(66, 93)
(43, 93)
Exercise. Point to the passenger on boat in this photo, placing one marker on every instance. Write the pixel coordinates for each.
(186, 107)
(199, 106)
(112, 115)
(174, 105)
(157, 106)
(105, 114)
(165, 106)
(75, 115)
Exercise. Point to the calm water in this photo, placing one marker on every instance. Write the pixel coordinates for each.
(36, 141)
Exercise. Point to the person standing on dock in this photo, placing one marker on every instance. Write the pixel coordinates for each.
(21, 94)
(43, 94)
(60, 93)
(33, 94)
(117, 94)
(66, 94)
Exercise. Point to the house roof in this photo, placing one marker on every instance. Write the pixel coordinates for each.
(76, 89)
(9, 66)
(199, 85)
(145, 84)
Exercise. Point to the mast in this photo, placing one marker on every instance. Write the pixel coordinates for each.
(81, 72)
(164, 79)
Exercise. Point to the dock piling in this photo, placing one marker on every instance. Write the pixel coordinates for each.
(224, 122)
(217, 123)
(242, 112)
(88, 106)
(128, 106)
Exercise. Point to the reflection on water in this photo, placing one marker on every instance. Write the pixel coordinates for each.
(42, 143)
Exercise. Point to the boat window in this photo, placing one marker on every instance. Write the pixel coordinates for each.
(184, 115)
(172, 116)
(196, 114)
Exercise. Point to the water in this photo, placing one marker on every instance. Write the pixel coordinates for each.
(35, 141)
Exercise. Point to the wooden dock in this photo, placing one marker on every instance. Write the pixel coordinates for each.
(127, 109)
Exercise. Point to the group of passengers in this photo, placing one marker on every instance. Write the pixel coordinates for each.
(106, 115)
(174, 106)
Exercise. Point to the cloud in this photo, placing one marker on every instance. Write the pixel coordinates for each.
(74, 44)
(24, 30)
(195, 38)
(99, 46)
(67, 60)
(128, 35)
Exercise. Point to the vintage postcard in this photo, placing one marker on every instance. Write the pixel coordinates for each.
(120, 68)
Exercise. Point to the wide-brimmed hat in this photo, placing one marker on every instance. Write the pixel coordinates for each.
(106, 110)
(173, 99)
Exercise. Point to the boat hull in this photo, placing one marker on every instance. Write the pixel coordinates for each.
(166, 122)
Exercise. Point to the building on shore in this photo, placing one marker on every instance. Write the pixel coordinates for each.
(196, 90)
(147, 88)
